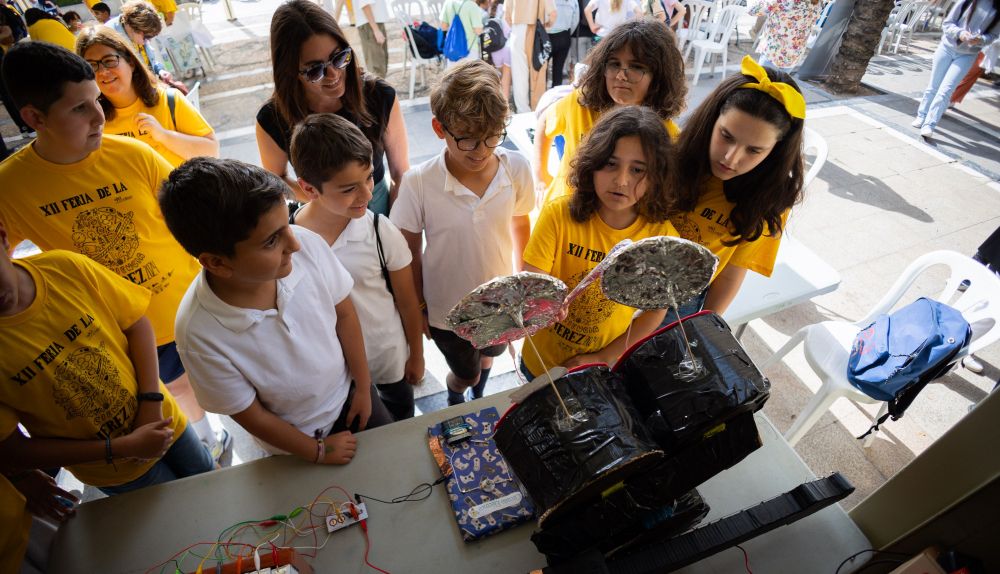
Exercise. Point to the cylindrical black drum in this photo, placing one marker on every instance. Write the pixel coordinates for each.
(562, 463)
(680, 403)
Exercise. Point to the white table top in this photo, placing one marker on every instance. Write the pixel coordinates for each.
(132, 532)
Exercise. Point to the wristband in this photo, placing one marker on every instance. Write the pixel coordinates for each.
(320, 450)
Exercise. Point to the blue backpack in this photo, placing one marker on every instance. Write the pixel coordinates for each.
(895, 357)
(456, 45)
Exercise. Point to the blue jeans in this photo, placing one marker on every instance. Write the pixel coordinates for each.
(380, 198)
(948, 70)
(186, 457)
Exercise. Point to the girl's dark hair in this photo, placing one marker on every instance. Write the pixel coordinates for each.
(598, 147)
(32, 15)
(142, 79)
(762, 195)
(652, 43)
(292, 25)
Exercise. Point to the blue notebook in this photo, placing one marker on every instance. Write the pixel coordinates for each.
(485, 495)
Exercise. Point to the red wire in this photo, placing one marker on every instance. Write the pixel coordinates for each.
(364, 529)
(161, 564)
(746, 559)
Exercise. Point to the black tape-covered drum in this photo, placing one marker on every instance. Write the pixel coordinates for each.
(564, 465)
(679, 403)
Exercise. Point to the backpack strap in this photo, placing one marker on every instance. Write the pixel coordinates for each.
(172, 106)
(381, 257)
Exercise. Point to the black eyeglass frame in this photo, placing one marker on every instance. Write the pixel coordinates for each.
(608, 71)
(96, 65)
(475, 142)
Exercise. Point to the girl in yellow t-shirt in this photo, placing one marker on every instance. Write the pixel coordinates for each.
(135, 105)
(740, 171)
(622, 178)
(638, 63)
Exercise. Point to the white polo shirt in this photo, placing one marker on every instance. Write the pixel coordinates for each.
(385, 340)
(289, 358)
(467, 237)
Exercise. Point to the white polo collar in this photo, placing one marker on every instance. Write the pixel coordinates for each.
(238, 319)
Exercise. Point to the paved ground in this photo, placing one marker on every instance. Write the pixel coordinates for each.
(883, 198)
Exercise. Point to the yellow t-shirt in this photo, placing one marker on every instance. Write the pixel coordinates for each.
(708, 225)
(103, 207)
(164, 6)
(568, 250)
(189, 121)
(573, 121)
(66, 364)
(52, 31)
(16, 523)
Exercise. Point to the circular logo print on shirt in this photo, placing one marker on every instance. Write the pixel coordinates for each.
(687, 228)
(88, 385)
(108, 236)
(591, 308)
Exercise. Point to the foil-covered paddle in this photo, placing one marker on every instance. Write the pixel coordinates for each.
(506, 309)
(658, 272)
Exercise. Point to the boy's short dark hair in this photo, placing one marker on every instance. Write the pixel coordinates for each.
(71, 16)
(323, 144)
(101, 7)
(35, 73)
(212, 204)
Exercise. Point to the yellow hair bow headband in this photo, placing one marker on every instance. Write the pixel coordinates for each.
(789, 97)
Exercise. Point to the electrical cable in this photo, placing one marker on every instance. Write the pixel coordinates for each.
(873, 551)
(746, 559)
(420, 492)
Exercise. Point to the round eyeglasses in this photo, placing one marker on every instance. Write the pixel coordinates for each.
(632, 75)
(470, 144)
(339, 60)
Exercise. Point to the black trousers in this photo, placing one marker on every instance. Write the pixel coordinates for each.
(560, 50)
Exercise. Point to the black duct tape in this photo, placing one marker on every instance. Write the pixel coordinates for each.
(678, 411)
(563, 468)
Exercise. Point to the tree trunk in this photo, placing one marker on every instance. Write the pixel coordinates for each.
(858, 46)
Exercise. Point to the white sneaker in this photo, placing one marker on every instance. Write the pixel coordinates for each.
(926, 131)
(917, 122)
(223, 440)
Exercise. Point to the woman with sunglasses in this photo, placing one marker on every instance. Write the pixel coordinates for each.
(638, 63)
(315, 72)
(135, 105)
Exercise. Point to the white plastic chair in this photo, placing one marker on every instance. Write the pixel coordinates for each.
(813, 144)
(434, 8)
(194, 96)
(902, 21)
(827, 345)
(193, 9)
(697, 24)
(411, 56)
(717, 42)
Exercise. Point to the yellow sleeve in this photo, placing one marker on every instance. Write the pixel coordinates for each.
(159, 169)
(189, 120)
(541, 249)
(759, 255)
(16, 527)
(126, 300)
(672, 129)
(556, 114)
(8, 421)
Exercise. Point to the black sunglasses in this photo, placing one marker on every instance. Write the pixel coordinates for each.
(339, 60)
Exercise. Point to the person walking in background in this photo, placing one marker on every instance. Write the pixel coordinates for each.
(560, 34)
(985, 63)
(787, 24)
(971, 26)
(493, 10)
(371, 16)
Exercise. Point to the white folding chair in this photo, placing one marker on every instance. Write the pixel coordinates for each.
(193, 9)
(827, 345)
(902, 21)
(696, 27)
(717, 42)
(433, 11)
(813, 144)
(194, 95)
(411, 56)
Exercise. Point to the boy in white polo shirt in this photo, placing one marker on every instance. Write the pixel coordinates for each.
(333, 160)
(472, 202)
(267, 329)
